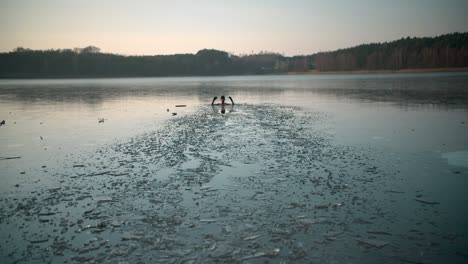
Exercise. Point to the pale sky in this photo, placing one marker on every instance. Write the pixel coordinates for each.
(293, 27)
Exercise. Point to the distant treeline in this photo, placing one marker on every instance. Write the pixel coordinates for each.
(90, 62)
(449, 50)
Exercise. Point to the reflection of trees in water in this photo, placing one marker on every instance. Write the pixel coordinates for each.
(438, 91)
(400, 95)
(412, 91)
(75, 93)
(52, 95)
(206, 92)
(441, 91)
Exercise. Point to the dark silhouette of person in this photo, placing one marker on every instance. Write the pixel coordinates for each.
(222, 104)
(222, 101)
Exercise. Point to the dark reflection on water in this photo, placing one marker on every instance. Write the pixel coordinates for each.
(440, 90)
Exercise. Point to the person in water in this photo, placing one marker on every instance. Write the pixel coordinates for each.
(222, 101)
(222, 104)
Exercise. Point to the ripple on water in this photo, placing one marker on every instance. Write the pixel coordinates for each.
(457, 158)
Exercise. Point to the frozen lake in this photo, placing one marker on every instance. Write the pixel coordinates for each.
(327, 169)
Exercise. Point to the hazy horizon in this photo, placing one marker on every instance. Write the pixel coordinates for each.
(158, 27)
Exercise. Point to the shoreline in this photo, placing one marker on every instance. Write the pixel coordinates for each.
(309, 72)
(429, 70)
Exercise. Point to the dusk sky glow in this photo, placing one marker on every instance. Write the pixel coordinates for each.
(145, 27)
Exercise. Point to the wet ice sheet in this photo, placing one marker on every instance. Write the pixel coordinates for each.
(264, 182)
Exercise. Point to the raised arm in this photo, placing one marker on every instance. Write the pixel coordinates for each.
(232, 101)
(214, 99)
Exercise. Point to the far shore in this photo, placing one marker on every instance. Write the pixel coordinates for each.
(317, 72)
(309, 72)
